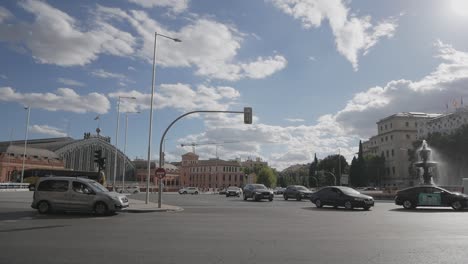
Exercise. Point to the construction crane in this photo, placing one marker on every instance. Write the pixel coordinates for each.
(193, 145)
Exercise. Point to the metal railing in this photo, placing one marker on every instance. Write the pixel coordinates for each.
(13, 186)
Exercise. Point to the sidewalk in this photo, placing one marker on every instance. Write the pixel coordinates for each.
(138, 206)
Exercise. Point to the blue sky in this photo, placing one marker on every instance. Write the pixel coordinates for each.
(318, 73)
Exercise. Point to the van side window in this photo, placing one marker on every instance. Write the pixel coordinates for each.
(53, 186)
(81, 188)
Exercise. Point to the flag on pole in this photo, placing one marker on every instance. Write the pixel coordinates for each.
(446, 106)
(97, 117)
(461, 100)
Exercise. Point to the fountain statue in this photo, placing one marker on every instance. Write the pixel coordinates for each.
(425, 162)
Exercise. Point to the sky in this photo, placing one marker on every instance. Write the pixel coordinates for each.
(318, 74)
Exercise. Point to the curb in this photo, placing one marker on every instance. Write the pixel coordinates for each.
(139, 211)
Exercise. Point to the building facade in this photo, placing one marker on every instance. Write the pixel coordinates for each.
(78, 154)
(444, 124)
(396, 135)
(212, 173)
(11, 161)
(171, 182)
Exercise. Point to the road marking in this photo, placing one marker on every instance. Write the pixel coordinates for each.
(26, 218)
(9, 221)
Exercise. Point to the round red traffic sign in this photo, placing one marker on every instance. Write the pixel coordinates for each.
(160, 173)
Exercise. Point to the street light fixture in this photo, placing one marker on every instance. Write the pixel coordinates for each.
(25, 141)
(117, 137)
(125, 146)
(156, 34)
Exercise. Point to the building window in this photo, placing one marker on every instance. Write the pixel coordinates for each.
(416, 124)
(393, 170)
(387, 153)
(407, 124)
(386, 138)
(381, 139)
(385, 126)
(408, 136)
(393, 153)
(390, 125)
(381, 127)
(391, 137)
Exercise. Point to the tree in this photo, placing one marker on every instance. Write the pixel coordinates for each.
(313, 172)
(375, 169)
(266, 176)
(332, 164)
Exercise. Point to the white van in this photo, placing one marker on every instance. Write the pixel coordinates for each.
(76, 194)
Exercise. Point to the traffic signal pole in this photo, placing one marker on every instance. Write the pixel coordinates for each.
(247, 120)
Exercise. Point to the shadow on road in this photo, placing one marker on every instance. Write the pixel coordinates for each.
(332, 209)
(30, 228)
(14, 215)
(428, 210)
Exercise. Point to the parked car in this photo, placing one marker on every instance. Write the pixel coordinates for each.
(341, 196)
(129, 189)
(279, 190)
(189, 190)
(297, 192)
(76, 194)
(222, 191)
(430, 195)
(233, 191)
(257, 192)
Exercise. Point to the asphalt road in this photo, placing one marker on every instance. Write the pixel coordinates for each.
(216, 229)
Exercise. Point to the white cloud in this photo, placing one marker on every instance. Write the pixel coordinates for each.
(181, 97)
(289, 145)
(295, 119)
(106, 75)
(54, 37)
(3, 76)
(429, 94)
(130, 68)
(312, 58)
(4, 14)
(47, 130)
(211, 47)
(64, 99)
(177, 6)
(353, 35)
(70, 82)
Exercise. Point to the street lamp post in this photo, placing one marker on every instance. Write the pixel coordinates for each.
(334, 177)
(25, 141)
(339, 164)
(125, 146)
(117, 137)
(156, 34)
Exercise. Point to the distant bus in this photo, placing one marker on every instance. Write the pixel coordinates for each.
(31, 176)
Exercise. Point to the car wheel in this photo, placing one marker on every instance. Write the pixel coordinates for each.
(245, 197)
(318, 203)
(43, 207)
(366, 208)
(285, 197)
(184, 193)
(256, 198)
(348, 205)
(100, 208)
(270, 199)
(457, 205)
(298, 197)
(407, 204)
(196, 193)
(227, 195)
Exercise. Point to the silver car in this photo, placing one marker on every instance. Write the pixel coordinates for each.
(76, 194)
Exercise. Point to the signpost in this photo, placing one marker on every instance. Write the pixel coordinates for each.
(160, 173)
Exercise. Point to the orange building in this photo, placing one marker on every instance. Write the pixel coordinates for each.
(212, 173)
(171, 181)
(11, 161)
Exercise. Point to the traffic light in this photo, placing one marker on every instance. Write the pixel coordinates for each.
(99, 159)
(247, 115)
(97, 155)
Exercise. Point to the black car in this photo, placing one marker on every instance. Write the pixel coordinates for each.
(430, 195)
(341, 196)
(257, 192)
(297, 192)
(233, 191)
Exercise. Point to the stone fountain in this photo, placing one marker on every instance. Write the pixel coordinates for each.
(425, 162)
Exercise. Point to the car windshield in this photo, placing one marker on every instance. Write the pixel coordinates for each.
(259, 186)
(301, 188)
(350, 191)
(98, 187)
(233, 188)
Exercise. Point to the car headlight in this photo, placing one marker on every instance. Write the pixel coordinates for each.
(359, 199)
(258, 193)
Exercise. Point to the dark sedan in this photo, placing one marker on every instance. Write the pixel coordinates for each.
(430, 196)
(297, 192)
(341, 196)
(257, 192)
